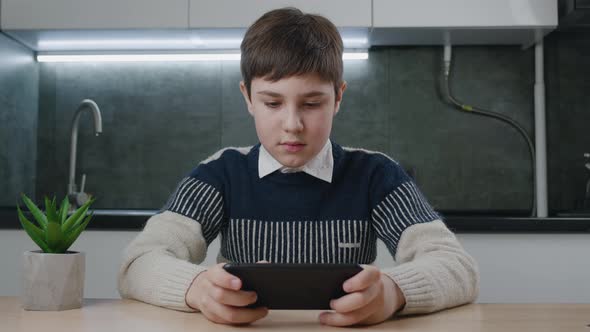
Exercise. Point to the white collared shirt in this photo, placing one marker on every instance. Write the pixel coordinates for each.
(321, 166)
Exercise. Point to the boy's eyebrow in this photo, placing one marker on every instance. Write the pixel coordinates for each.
(307, 94)
(313, 94)
(269, 93)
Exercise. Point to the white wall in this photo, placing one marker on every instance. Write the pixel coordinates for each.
(514, 267)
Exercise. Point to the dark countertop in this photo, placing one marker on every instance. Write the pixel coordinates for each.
(459, 222)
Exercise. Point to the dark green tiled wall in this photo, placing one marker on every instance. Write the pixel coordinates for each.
(18, 121)
(161, 119)
(568, 116)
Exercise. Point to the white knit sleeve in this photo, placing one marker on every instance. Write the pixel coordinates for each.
(434, 272)
(160, 264)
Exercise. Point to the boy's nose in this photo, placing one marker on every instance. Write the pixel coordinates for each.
(293, 122)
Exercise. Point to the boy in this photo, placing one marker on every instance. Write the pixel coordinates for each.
(297, 198)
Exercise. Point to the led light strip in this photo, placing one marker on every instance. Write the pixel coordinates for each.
(163, 43)
(355, 56)
(161, 57)
(135, 57)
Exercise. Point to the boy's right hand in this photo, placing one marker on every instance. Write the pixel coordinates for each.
(216, 293)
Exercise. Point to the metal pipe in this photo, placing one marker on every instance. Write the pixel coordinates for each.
(540, 133)
(447, 58)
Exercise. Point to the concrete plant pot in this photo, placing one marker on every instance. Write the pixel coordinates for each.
(53, 281)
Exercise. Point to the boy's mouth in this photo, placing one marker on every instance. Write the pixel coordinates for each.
(293, 146)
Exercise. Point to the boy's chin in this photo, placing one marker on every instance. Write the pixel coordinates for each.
(293, 162)
(293, 165)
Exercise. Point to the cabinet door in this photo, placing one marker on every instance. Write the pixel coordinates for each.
(464, 13)
(242, 13)
(93, 14)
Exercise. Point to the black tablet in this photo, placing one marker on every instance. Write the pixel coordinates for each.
(294, 286)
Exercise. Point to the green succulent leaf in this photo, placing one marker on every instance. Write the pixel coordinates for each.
(76, 217)
(63, 210)
(71, 237)
(39, 216)
(79, 222)
(54, 237)
(50, 211)
(57, 231)
(35, 233)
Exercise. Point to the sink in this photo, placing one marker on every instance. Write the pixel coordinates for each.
(122, 212)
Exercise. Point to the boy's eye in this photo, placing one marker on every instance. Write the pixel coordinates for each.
(272, 104)
(275, 104)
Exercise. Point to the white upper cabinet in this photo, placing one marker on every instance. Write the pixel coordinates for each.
(436, 22)
(62, 25)
(464, 13)
(242, 13)
(93, 14)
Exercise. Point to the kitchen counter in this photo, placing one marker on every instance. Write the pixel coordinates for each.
(117, 219)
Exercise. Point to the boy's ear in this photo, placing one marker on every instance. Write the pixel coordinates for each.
(244, 91)
(339, 97)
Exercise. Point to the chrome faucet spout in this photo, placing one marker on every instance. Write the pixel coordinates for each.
(86, 104)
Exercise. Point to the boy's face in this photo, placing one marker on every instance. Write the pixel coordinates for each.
(293, 116)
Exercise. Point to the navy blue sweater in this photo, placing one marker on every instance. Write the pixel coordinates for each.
(295, 217)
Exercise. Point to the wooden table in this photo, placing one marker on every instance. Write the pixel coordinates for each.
(131, 316)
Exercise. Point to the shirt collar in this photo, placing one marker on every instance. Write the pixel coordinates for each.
(321, 166)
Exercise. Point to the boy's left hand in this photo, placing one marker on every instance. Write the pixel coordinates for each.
(372, 298)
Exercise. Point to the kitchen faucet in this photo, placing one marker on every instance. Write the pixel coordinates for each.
(76, 197)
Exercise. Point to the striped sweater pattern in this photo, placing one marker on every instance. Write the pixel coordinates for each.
(296, 218)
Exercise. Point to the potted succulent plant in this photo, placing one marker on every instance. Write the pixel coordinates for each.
(53, 276)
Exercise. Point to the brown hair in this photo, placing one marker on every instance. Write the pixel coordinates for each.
(286, 42)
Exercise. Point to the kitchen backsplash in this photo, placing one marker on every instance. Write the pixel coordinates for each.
(161, 119)
(19, 88)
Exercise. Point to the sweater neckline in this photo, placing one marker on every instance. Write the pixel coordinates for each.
(291, 178)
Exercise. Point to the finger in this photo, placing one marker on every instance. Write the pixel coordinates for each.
(346, 319)
(356, 300)
(362, 280)
(205, 305)
(221, 278)
(235, 315)
(213, 317)
(232, 297)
